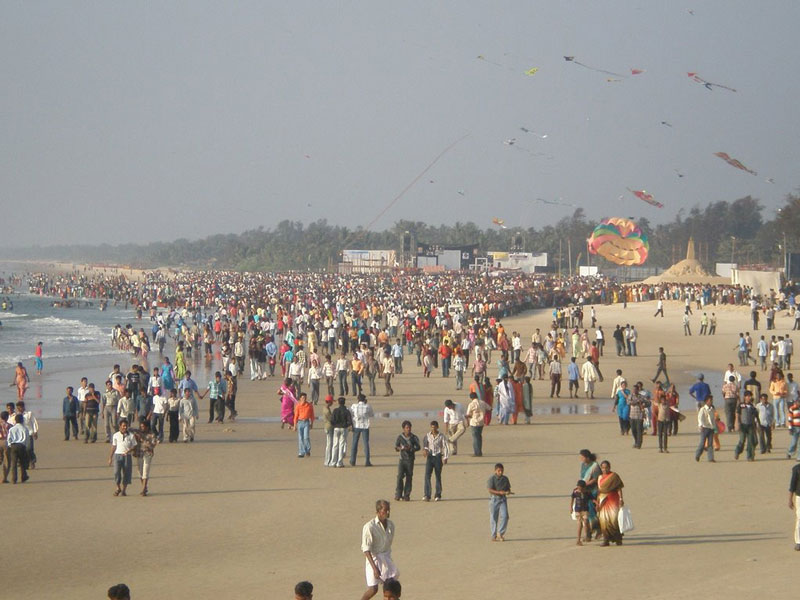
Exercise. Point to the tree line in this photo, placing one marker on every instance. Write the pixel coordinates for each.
(724, 231)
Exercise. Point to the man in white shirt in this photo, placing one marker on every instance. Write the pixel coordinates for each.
(706, 425)
(81, 394)
(123, 443)
(18, 441)
(476, 411)
(731, 372)
(376, 544)
(589, 376)
(160, 408)
(455, 422)
(362, 413)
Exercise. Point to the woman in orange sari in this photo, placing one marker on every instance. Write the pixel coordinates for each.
(609, 501)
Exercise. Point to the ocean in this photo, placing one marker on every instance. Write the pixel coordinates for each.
(76, 343)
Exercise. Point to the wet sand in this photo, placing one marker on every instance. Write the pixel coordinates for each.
(237, 515)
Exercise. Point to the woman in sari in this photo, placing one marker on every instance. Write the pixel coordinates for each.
(609, 501)
(590, 471)
(180, 363)
(673, 399)
(288, 400)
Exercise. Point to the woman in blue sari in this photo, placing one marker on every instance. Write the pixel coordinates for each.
(590, 471)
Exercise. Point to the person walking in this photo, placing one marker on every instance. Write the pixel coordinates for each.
(18, 442)
(376, 545)
(707, 425)
(303, 423)
(746, 421)
(662, 367)
(499, 489)
(476, 413)
(123, 443)
(342, 420)
(766, 423)
(636, 407)
(69, 412)
(147, 441)
(407, 444)
(189, 411)
(436, 452)
(455, 422)
(362, 413)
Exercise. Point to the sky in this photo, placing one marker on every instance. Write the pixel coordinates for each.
(140, 122)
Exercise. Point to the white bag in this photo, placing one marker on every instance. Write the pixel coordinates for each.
(625, 520)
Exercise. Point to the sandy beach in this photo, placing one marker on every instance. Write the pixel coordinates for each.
(237, 515)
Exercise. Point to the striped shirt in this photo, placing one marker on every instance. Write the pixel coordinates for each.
(436, 445)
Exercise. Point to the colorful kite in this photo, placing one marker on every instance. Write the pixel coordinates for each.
(637, 71)
(708, 85)
(532, 71)
(500, 223)
(619, 241)
(572, 60)
(734, 163)
(643, 195)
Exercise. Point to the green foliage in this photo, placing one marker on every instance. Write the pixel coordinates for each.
(721, 227)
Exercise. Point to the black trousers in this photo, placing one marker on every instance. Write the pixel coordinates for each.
(18, 457)
(173, 425)
(405, 473)
(637, 428)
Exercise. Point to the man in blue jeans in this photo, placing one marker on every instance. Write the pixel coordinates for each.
(362, 413)
(436, 451)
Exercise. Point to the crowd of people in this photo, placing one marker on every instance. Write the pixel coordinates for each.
(324, 338)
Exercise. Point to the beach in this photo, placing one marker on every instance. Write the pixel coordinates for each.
(237, 514)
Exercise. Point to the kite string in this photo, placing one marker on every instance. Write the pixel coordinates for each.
(415, 180)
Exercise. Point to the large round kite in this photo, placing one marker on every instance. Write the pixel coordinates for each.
(619, 241)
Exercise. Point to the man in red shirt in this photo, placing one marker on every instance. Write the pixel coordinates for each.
(445, 352)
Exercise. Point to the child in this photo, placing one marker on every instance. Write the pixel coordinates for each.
(427, 365)
(392, 589)
(579, 507)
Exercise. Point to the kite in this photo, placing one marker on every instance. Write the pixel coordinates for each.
(500, 223)
(416, 179)
(553, 202)
(734, 163)
(665, 123)
(708, 85)
(484, 59)
(532, 71)
(769, 180)
(643, 195)
(613, 80)
(572, 60)
(619, 241)
(637, 71)
(526, 130)
(678, 172)
(460, 192)
(510, 141)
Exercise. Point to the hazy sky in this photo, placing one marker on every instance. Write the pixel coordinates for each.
(134, 121)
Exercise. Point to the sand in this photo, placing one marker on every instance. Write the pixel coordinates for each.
(237, 515)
